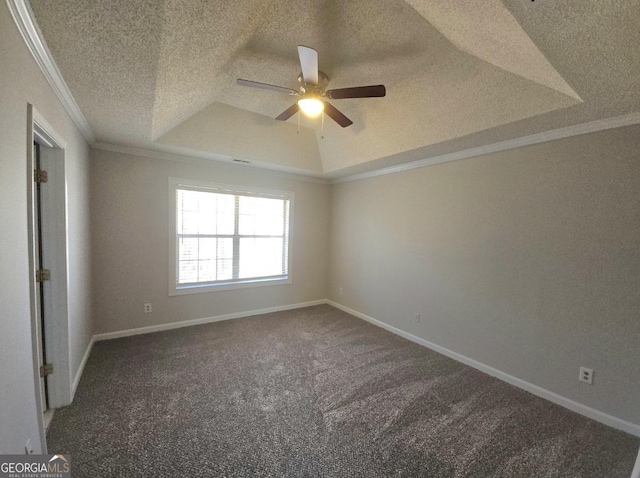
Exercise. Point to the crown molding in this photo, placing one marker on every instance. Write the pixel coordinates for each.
(28, 28)
(544, 137)
(211, 160)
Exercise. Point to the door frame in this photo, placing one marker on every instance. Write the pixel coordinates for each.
(54, 199)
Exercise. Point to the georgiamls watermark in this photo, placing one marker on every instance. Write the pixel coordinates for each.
(35, 466)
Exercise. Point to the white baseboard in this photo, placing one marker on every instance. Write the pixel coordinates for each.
(572, 405)
(636, 469)
(205, 320)
(76, 379)
(588, 412)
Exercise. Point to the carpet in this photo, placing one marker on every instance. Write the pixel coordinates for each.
(314, 392)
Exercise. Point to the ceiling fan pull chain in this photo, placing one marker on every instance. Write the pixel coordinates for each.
(322, 134)
(299, 113)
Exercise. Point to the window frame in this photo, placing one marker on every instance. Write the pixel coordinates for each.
(200, 185)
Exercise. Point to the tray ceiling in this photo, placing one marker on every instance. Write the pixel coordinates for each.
(161, 74)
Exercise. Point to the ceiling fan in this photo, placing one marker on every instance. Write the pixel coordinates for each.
(312, 91)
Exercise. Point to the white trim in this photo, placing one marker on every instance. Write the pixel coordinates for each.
(55, 297)
(25, 21)
(584, 410)
(174, 290)
(544, 137)
(43, 131)
(76, 379)
(54, 226)
(211, 159)
(205, 320)
(198, 185)
(636, 469)
(588, 412)
(33, 293)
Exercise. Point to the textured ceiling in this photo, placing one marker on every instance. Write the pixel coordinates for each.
(487, 30)
(459, 73)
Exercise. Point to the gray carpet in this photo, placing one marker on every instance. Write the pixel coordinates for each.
(314, 392)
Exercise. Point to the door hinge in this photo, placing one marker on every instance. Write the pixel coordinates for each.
(46, 370)
(40, 176)
(43, 275)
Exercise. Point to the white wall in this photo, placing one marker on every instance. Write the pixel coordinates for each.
(129, 205)
(21, 82)
(527, 261)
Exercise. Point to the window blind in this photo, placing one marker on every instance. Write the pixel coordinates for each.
(226, 236)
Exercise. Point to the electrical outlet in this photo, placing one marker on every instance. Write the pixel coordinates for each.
(28, 449)
(586, 375)
(340, 291)
(417, 317)
(147, 308)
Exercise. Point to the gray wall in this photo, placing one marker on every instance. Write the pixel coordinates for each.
(129, 206)
(21, 82)
(527, 261)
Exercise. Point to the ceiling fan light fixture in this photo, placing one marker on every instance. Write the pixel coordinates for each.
(312, 91)
(311, 106)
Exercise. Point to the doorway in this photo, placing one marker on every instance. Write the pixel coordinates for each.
(47, 199)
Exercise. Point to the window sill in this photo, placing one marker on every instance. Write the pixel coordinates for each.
(199, 289)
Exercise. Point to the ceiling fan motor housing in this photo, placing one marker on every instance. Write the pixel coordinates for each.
(323, 81)
(312, 90)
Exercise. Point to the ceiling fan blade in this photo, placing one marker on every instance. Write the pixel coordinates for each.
(309, 63)
(288, 113)
(336, 115)
(373, 91)
(266, 86)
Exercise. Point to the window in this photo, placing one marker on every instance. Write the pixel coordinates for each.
(226, 237)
